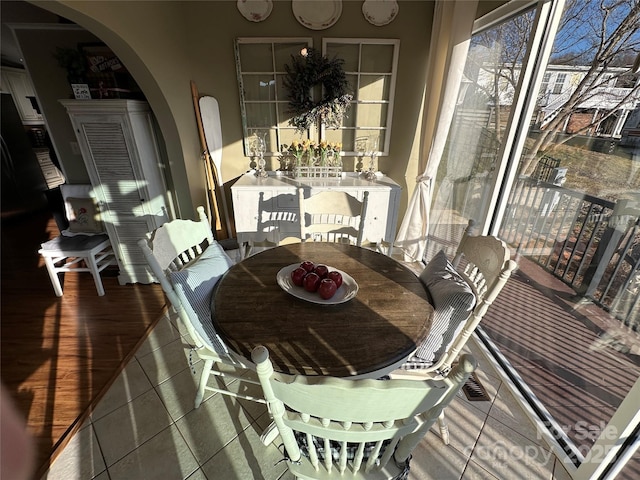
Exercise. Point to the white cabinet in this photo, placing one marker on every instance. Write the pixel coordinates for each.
(17, 82)
(120, 149)
(268, 207)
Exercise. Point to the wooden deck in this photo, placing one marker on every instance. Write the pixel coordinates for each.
(576, 359)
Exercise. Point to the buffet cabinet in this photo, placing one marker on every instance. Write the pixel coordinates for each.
(120, 149)
(267, 208)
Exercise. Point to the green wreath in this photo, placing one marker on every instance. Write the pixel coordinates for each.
(307, 71)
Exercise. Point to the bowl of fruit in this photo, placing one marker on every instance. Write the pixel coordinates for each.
(317, 283)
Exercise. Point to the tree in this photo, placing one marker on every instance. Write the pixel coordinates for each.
(595, 34)
(608, 33)
(498, 52)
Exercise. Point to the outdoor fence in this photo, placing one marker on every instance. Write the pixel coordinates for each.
(590, 243)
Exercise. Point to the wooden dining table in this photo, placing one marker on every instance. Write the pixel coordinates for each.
(366, 336)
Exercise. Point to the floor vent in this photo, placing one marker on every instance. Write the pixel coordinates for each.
(474, 390)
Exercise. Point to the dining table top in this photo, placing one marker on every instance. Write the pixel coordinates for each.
(379, 327)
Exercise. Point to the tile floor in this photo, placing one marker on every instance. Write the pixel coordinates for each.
(146, 428)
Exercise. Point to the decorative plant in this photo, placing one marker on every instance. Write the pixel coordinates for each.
(312, 150)
(324, 151)
(72, 60)
(297, 149)
(307, 71)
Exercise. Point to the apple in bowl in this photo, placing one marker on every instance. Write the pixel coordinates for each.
(297, 276)
(308, 266)
(311, 282)
(336, 277)
(327, 288)
(321, 270)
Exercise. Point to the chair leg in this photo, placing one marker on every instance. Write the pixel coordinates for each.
(204, 378)
(93, 268)
(444, 429)
(53, 275)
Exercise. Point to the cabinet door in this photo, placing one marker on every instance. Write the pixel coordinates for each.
(120, 187)
(21, 90)
(378, 213)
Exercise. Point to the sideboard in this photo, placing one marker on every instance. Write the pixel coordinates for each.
(267, 208)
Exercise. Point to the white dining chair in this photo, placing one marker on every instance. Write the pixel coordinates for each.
(332, 216)
(188, 262)
(353, 429)
(461, 291)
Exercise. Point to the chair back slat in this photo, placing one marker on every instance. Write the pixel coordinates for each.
(359, 456)
(332, 216)
(313, 453)
(328, 456)
(342, 465)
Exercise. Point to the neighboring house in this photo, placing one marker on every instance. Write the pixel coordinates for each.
(617, 90)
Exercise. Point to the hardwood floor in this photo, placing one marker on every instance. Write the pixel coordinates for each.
(59, 355)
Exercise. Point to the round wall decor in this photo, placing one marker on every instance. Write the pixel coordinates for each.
(380, 12)
(317, 14)
(255, 10)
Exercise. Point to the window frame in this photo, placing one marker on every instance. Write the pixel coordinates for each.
(275, 131)
(558, 83)
(386, 126)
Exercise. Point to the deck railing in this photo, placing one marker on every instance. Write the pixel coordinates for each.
(590, 243)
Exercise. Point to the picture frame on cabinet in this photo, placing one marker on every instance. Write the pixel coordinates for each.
(106, 74)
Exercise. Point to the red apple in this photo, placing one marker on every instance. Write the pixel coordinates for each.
(321, 270)
(297, 276)
(307, 265)
(327, 288)
(336, 277)
(311, 282)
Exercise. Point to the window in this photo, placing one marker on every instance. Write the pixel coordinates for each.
(514, 171)
(263, 100)
(370, 65)
(557, 87)
(626, 80)
(545, 82)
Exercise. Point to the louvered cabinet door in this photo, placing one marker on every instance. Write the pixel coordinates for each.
(121, 155)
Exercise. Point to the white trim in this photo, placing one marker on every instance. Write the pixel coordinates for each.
(501, 13)
(383, 149)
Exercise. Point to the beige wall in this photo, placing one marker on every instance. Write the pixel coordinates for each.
(167, 44)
